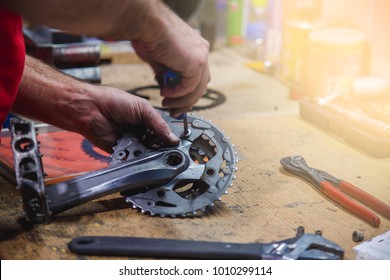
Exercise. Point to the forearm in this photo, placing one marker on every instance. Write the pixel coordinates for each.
(119, 19)
(99, 113)
(52, 97)
(158, 36)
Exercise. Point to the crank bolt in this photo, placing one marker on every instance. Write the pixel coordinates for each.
(174, 159)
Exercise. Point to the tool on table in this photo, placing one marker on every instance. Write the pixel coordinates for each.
(302, 247)
(335, 188)
(155, 178)
(170, 79)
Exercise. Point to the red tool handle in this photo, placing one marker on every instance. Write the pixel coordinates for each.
(365, 198)
(335, 194)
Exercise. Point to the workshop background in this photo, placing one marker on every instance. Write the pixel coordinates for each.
(299, 77)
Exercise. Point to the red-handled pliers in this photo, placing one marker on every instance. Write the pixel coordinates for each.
(335, 188)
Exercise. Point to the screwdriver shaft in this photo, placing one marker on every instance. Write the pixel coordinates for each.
(185, 124)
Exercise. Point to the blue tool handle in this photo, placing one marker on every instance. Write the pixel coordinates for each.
(169, 79)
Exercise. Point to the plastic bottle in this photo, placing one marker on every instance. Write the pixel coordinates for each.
(256, 22)
(235, 23)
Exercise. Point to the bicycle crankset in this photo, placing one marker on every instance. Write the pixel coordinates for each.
(158, 179)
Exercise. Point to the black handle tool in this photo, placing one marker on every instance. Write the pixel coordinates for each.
(302, 247)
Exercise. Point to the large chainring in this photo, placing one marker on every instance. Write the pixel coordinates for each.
(209, 175)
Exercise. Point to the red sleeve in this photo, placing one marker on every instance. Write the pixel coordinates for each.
(12, 56)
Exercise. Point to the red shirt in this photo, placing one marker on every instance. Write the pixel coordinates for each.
(12, 56)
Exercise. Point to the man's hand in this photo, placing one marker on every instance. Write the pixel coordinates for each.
(158, 35)
(168, 42)
(99, 113)
(112, 111)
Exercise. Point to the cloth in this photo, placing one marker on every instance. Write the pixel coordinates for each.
(12, 57)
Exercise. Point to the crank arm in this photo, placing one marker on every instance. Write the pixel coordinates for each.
(306, 246)
(40, 202)
(146, 171)
(158, 180)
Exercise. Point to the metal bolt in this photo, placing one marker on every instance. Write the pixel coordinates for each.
(300, 231)
(357, 236)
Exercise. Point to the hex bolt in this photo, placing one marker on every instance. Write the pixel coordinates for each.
(318, 232)
(357, 236)
(300, 231)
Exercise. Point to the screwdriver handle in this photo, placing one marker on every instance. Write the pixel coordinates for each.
(169, 79)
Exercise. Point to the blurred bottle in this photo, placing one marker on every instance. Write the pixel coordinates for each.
(256, 26)
(273, 40)
(335, 57)
(221, 8)
(210, 19)
(300, 18)
(235, 23)
(305, 10)
(208, 22)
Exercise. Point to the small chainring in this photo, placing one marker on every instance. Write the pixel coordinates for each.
(209, 175)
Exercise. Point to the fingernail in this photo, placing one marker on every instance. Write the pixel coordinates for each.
(173, 137)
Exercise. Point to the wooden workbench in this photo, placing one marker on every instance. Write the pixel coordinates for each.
(265, 204)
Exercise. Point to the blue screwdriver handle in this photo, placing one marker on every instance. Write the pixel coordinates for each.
(169, 79)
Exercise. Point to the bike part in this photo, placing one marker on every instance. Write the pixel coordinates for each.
(91, 151)
(210, 173)
(158, 179)
(302, 247)
(357, 236)
(152, 169)
(28, 171)
(212, 98)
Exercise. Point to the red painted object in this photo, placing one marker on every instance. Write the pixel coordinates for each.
(12, 56)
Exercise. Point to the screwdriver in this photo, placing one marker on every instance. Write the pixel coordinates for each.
(185, 124)
(171, 79)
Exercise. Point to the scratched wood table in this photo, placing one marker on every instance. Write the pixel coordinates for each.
(265, 203)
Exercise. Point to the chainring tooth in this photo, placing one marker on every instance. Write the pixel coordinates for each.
(211, 171)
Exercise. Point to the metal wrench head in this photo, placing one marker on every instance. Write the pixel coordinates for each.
(303, 247)
(294, 163)
(298, 166)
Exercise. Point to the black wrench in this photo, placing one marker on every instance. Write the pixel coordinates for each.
(302, 247)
